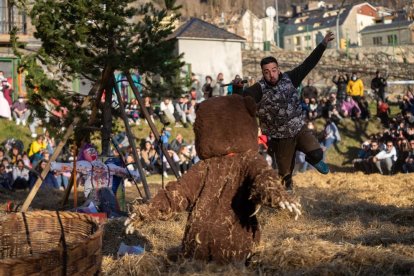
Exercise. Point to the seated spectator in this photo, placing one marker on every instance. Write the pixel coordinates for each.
(20, 111)
(36, 122)
(309, 91)
(185, 159)
(166, 166)
(332, 109)
(181, 110)
(36, 150)
(149, 157)
(403, 152)
(365, 160)
(149, 108)
(177, 143)
(7, 166)
(49, 181)
(350, 108)
(332, 136)
(15, 152)
(3, 154)
(26, 160)
(190, 113)
(313, 109)
(409, 162)
(150, 138)
(167, 112)
(6, 179)
(131, 110)
(386, 158)
(20, 176)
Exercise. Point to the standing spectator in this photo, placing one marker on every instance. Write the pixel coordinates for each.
(218, 90)
(355, 88)
(207, 88)
(310, 91)
(341, 83)
(196, 87)
(383, 111)
(20, 176)
(378, 85)
(4, 106)
(20, 111)
(5, 87)
(386, 158)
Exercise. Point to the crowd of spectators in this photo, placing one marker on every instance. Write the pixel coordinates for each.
(388, 152)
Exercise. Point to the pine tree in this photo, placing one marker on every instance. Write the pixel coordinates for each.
(81, 38)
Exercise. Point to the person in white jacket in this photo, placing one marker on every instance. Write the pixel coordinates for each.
(386, 158)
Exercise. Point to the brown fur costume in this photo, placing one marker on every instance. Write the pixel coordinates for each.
(221, 191)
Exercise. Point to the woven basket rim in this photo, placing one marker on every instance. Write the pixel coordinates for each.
(64, 215)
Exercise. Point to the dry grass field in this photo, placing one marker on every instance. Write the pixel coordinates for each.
(352, 224)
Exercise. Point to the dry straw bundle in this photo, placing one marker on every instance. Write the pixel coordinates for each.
(49, 243)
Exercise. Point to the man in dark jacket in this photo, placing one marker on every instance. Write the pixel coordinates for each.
(378, 84)
(280, 113)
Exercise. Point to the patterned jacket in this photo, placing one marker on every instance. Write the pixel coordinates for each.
(278, 107)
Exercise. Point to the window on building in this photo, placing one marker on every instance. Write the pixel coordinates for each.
(392, 39)
(289, 41)
(307, 37)
(377, 40)
(307, 48)
(11, 17)
(297, 40)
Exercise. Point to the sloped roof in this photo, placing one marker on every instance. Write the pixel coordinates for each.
(316, 21)
(389, 26)
(199, 29)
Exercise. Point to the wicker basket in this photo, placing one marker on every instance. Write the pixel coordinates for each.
(50, 243)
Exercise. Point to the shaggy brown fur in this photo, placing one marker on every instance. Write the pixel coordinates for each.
(222, 191)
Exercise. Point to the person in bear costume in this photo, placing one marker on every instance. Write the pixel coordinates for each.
(223, 192)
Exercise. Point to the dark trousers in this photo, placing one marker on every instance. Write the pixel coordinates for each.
(284, 150)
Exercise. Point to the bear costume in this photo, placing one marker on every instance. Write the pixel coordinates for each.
(222, 192)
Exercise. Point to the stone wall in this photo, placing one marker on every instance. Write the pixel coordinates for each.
(397, 61)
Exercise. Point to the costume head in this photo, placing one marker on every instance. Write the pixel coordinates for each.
(225, 125)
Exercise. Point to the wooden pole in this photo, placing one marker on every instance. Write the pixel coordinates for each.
(151, 124)
(131, 140)
(75, 184)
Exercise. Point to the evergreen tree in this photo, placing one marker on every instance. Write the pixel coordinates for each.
(81, 38)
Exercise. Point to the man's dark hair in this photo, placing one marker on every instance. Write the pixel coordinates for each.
(267, 60)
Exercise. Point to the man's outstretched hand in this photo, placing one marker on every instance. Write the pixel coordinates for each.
(328, 38)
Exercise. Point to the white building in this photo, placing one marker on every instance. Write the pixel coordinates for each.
(255, 30)
(306, 30)
(209, 50)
